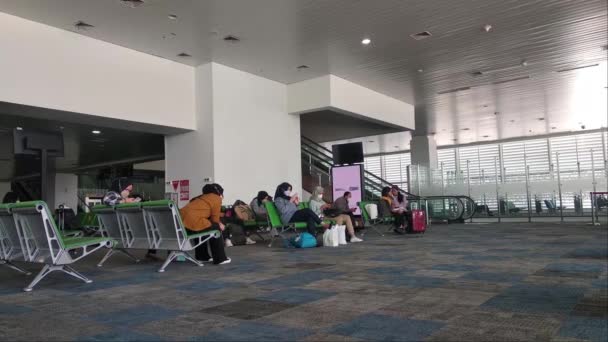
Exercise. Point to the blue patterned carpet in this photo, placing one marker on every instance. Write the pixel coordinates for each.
(491, 282)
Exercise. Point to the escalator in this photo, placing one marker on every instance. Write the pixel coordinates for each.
(316, 171)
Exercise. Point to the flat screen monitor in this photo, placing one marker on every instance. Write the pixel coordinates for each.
(351, 153)
(348, 178)
(31, 142)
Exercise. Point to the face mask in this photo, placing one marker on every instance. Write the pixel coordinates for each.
(287, 193)
(320, 196)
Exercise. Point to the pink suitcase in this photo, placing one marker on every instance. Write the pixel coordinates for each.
(418, 221)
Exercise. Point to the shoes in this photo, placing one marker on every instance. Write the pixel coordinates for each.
(249, 241)
(228, 243)
(355, 239)
(274, 232)
(227, 261)
(399, 231)
(210, 260)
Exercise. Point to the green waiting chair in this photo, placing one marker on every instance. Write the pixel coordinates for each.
(367, 220)
(132, 226)
(109, 227)
(165, 227)
(41, 242)
(10, 246)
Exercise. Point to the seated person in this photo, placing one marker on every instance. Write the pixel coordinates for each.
(258, 207)
(243, 213)
(319, 207)
(203, 213)
(342, 204)
(287, 206)
(398, 207)
(119, 192)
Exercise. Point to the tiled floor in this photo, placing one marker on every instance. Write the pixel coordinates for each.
(512, 281)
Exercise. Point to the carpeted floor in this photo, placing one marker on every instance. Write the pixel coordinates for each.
(477, 282)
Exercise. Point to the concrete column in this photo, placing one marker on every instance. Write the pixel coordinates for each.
(424, 151)
(245, 139)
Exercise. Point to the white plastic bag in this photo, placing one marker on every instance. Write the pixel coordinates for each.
(341, 229)
(372, 211)
(331, 238)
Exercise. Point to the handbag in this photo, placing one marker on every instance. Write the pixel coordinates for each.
(305, 240)
(341, 230)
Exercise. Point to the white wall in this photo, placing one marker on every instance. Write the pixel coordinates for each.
(66, 190)
(190, 155)
(354, 98)
(257, 144)
(309, 95)
(48, 67)
(337, 94)
(245, 140)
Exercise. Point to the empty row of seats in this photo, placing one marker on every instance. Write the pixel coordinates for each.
(29, 234)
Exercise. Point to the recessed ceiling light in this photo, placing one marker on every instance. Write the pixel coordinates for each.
(172, 16)
(541, 119)
(396, 146)
(183, 54)
(496, 113)
(486, 136)
(487, 27)
(465, 129)
(302, 67)
(366, 41)
(421, 70)
(370, 141)
(96, 132)
(19, 128)
(485, 106)
(553, 127)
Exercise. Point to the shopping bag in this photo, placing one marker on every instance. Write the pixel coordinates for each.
(330, 238)
(372, 210)
(341, 229)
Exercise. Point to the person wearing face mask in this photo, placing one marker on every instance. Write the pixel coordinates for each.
(322, 209)
(203, 213)
(287, 205)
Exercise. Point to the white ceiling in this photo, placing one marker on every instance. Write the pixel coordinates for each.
(279, 35)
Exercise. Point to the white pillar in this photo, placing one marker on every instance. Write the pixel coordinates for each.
(245, 139)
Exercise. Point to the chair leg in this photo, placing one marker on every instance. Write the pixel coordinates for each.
(125, 252)
(189, 257)
(69, 270)
(105, 257)
(373, 226)
(14, 267)
(43, 273)
(170, 258)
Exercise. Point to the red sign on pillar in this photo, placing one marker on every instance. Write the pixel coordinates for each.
(184, 190)
(175, 185)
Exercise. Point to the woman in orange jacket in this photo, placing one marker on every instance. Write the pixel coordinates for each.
(203, 213)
